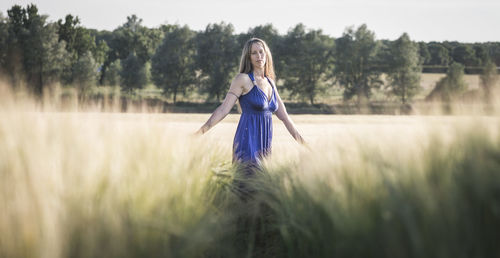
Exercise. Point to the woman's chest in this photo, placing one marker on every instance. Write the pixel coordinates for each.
(265, 87)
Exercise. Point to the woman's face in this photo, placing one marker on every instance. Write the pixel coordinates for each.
(258, 55)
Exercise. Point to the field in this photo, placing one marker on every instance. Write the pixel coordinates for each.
(332, 96)
(90, 184)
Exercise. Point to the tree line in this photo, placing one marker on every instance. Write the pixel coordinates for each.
(179, 60)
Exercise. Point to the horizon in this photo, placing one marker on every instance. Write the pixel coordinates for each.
(425, 20)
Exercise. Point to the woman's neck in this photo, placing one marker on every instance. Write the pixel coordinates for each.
(258, 73)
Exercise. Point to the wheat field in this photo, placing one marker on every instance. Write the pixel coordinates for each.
(91, 184)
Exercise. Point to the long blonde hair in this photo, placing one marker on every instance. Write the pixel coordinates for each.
(246, 63)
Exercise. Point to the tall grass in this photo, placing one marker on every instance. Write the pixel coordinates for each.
(102, 185)
(440, 201)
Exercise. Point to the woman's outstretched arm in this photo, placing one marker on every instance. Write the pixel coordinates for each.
(221, 111)
(285, 118)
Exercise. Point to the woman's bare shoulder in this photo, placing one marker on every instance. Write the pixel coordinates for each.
(240, 83)
(242, 80)
(241, 77)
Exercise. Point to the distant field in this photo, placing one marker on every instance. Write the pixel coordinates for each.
(332, 95)
(428, 82)
(316, 129)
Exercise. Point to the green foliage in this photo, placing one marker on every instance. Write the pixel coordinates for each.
(85, 72)
(465, 55)
(303, 59)
(489, 77)
(13, 52)
(172, 66)
(217, 58)
(112, 75)
(133, 74)
(489, 82)
(267, 32)
(356, 64)
(34, 51)
(100, 53)
(29, 38)
(4, 35)
(78, 39)
(482, 55)
(451, 86)
(404, 71)
(79, 42)
(307, 58)
(132, 36)
(130, 39)
(494, 52)
(439, 54)
(425, 55)
(54, 58)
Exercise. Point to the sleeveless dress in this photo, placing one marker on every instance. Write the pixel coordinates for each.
(254, 134)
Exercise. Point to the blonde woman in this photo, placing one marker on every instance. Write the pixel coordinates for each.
(256, 91)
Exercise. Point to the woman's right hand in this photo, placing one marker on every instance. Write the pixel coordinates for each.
(201, 131)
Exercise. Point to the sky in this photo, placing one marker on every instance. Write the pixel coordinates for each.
(465, 21)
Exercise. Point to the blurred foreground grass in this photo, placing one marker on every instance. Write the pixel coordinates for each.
(128, 185)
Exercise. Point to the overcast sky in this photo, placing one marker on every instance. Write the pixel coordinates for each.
(423, 20)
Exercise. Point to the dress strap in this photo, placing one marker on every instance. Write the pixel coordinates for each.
(252, 78)
(270, 83)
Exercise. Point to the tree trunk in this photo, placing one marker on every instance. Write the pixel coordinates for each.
(359, 95)
(404, 90)
(175, 93)
(403, 95)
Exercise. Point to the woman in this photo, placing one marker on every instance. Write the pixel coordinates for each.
(256, 90)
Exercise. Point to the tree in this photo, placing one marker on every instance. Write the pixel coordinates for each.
(494, 52)
(112, 75)
(33, 50)
(29, 39)
(465, 55)
(100, 53)
(489, 79)
(132, 36)
(356, 64)
(451, 86)
(79, 42)
(481, 54)
(267, 32)
(13, 57)
(308, 57)
(404, 71)
(172, 66)
(133, 74)
(425, 55)
(85, 72)
(4, 35)
(439, 54)
(217, 58)
(54, 58)
(78, 39)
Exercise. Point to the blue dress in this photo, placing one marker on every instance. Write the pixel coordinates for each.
(254, 134)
